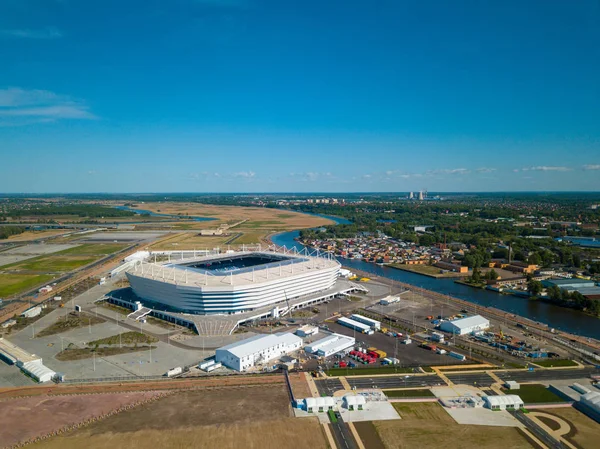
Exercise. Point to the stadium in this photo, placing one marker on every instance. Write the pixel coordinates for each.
(234, 282)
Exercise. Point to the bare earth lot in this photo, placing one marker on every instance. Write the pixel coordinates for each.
(427, 425)
(247, 416)
(25, 418)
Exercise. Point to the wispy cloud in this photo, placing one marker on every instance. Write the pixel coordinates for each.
(448, 171)
(245, 174)
(42, 33)
(546, 168)
(484, 170)
(592, 167)
(22, 106)
(311, 176)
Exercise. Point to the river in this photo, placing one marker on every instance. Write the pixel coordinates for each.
(568, 320)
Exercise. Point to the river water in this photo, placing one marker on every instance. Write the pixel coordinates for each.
(568, 320)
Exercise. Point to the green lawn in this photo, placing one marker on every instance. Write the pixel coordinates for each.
(555, 362)
(92, 249)
(535, 393)
(367, 371)
(11, 284)
(51, 263)
(409, 393)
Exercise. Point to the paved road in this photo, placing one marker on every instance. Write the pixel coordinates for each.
(547, 375)
(342, 435)
(327, 387)
(476, 379)
(400, 381)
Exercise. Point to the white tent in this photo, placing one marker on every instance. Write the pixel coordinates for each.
(355, 402)
(509, 401)
(322, 404)
(38, 371)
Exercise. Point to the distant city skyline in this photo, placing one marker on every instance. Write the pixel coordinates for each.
(271, 96)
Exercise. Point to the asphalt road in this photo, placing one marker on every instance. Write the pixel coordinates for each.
(476, 379)
(342, 435)
(405, 380)
(547, 375)
(328, 386)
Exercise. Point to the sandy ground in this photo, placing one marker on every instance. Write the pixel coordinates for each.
(25, 418)
(300, 386)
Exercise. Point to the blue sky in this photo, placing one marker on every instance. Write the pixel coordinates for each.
(250, 95)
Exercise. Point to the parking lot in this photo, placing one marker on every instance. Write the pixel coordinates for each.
(409, 355)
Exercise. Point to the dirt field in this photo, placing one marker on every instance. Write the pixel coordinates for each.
(300, 386)
(207, 407)
(304, 433)
(584, 431)
(25, 418)
(428, 425)
(257, 416)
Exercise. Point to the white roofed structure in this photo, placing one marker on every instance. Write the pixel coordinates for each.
(321, 404)
(38, 371)
(355, 402)
(258, 349)
(503, 402)
(466, 325)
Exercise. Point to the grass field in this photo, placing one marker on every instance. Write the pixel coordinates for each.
(251, 417)
(72, 321)
(536, 393)
(36, 235)
(87, 353)
(51, 263)
(427, 425)
(367, 371)
(93, 249)
(424, 393)
(584, 430)
(11, 284)
(126, 338)
(555, 362)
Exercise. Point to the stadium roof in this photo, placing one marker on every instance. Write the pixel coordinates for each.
(176, 273)
(258, 343)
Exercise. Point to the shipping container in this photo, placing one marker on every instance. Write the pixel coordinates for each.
(213, 367)
(174, 371)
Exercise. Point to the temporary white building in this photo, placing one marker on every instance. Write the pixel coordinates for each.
(592, 400)
(38, 371)
(321, 404)
(307, 330)
(354, 402)
(366, 320)
(340, 344)
(506, 402)
(467, 325)
(258, 349)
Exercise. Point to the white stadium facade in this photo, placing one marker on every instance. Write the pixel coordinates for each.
(214, 292)
(233, 282)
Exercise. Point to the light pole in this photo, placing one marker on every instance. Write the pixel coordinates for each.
(94, 358)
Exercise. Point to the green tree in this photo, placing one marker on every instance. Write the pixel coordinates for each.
(492, 275)
(534, 287)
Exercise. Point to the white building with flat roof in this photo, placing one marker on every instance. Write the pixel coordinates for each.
(307, 330)
(463, 326)
(257, 350)
(374, 324)
(503, 402)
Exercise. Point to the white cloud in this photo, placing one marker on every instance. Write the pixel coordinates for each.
(448, 171)
(485, 170)
(42, 33)
(546, 168)
(312, 176)
(21, 106)
(245, 175)
(592, 167)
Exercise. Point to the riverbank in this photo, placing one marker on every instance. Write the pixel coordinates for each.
(567, 320)
(427, 270)
(479, 286)
(537, 327)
